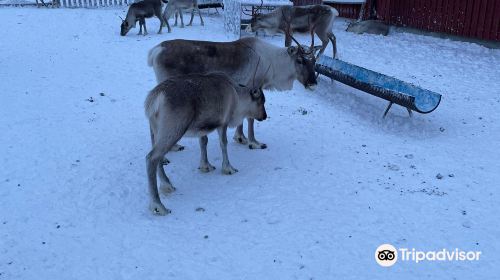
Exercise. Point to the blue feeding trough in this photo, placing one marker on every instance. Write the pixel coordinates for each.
(393, 90)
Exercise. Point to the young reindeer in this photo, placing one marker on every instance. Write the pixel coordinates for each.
(195, 105)
(139, 11)
(177, 6)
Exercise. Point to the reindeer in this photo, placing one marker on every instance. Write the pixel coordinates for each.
(236, 59)
(195, 105)
(139, 11)
(315, 19)
(177, 6)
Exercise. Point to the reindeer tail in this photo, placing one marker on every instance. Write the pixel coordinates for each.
(153, 53)
(153, 102)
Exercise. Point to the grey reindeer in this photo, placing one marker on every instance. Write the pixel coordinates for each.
(194, 105)
(177, 6)
(237, 59)
(138, 12)
(315, 19)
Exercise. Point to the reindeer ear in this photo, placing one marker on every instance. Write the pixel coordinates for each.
(292, 50)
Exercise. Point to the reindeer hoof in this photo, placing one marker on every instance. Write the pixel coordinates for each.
(165, 161)
(229, 170)
(206, 168)
(241, 139)
(167, 189)
(256, 145)
(177, 148)
(157, 208)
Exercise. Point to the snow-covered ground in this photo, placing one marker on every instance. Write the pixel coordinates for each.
(336, 181)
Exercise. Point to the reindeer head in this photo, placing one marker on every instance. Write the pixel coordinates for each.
(125, 27)
(304, 58)
(259, 20)
(254, 95)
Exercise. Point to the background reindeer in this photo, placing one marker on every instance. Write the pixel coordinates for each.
(139, 12)
(315, 19)
(177, 6)
(195, 105)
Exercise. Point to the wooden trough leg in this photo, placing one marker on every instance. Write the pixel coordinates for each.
(409, 112)
(387, 110)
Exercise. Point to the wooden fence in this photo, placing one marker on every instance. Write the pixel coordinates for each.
(110, 3)
(93, 3)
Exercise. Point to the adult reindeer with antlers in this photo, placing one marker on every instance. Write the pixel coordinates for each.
(314, 19)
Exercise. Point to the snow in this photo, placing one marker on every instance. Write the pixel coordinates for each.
(336, 181)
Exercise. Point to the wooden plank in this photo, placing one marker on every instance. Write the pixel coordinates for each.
(434, 19)
(406, 13)
(495, 30)
(444, 21)
(481, 18)
(462, 6)
(426, 11)
(468, 17)
(395, 11)
(474, 19)
(488, 8)
(418, 14)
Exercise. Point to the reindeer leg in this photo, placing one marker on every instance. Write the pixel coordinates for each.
(176, 16)
(201, 19)
(158, 15)
(145, 30)
(205, 166)
(151, 129)
(252, 142)
(165, 185)
(226, 166)
(182, 18)
(140, 28)
(192, 16)
(239, 136)
(288, 40)
(166, 16)
(168, 25)
(153, 160)
(333, 39)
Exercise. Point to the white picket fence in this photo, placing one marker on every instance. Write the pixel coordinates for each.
(93, 3)
(109, 3)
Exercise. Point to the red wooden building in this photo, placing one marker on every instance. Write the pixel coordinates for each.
(470, 18)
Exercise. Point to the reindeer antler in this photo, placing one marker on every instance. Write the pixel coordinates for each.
(255, 72)
(261, 6)
(256, 10)
(288, 33)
